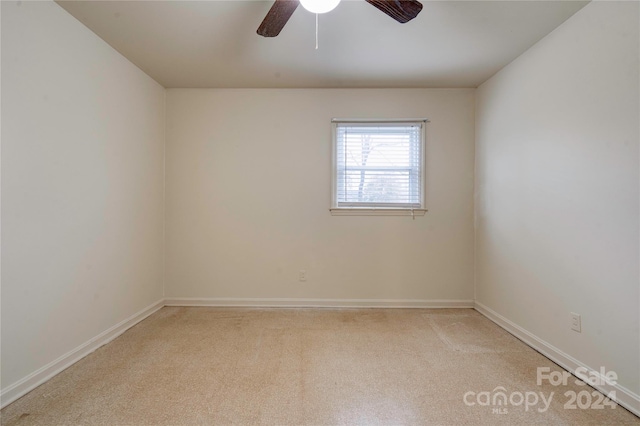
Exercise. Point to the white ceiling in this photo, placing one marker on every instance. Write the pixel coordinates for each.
(214, 43)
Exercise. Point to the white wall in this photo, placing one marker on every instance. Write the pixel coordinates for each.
(557, 189)
(248, 195)
(248, 192)
(82, 187)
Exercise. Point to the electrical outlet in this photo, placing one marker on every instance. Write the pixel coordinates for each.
(302, 276)
(576, 322)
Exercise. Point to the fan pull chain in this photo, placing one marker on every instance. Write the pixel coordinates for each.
(316, 31)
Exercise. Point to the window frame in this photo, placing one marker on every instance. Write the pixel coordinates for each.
(356, 210)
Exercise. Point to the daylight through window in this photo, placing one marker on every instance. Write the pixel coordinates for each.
(378, 164)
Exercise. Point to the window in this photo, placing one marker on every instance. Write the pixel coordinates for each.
(378, 167)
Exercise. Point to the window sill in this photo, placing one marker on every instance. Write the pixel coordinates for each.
(363, 211)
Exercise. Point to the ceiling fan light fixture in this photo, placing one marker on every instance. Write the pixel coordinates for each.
(319, 6)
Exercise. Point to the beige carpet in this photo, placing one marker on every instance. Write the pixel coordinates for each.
(184, 366)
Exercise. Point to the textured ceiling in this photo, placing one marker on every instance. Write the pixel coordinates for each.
(214, 43)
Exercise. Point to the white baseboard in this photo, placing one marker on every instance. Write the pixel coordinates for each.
(35, 379)
(318, 303)
(624, 396)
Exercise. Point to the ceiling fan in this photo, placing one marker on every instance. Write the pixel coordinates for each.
(400, 10)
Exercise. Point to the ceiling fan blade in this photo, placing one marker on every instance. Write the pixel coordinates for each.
(277, 17)
(400, 10)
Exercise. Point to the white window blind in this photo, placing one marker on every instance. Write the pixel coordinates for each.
(379, 165)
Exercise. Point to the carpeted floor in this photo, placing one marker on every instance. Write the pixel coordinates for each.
(185, 366)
